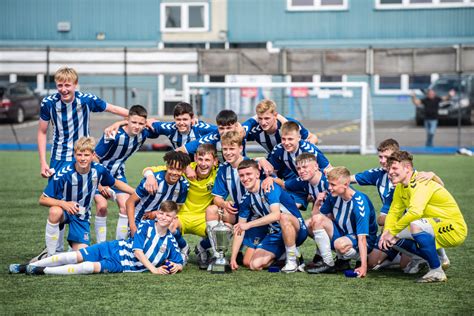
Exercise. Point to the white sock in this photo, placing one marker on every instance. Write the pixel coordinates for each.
(57, 260)
(60, 246)
(351, 254)
(122, 227)
(80, 268)
(442, 253)
(298, 252)
(100, 229)
(324, 245)
(209, 226)
(51, 237)
(290, 253)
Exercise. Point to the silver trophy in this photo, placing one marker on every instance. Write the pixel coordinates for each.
(222, 235)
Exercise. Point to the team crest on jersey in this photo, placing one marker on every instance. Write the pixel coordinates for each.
(209, 186)
(163, 248)
(86, 236)
(94, 180)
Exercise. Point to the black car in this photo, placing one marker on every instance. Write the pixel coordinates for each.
(462, 103)
(18, 102)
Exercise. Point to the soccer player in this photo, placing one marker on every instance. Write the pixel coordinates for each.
(274, 209)
(191, 217)
(226, 121)
(346, 223)
(227, 185)
(69, 112)
(70, 193)
(425, 212)
(171, 186)
(112, 154)
(184, 129)
(264, 128)
(282, 159)
(153, 249)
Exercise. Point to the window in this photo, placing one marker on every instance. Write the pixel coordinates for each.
(422, 4)
(184, 17)
(317, 5)
(404, 84)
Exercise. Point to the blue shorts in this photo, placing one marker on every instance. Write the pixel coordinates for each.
(273, 242)
(338, 233)
(57, 165)
(106, 254)
(254, 236)
(79, 230)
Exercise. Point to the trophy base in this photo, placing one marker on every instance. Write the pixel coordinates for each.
(220, 269)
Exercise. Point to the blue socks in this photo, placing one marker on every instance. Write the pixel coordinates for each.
(205, 243)
(427, 249)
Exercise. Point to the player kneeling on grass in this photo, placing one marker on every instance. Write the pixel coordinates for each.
(275, 208)
(425, 212)
(70, 194)
(346, 224)
(153, 249)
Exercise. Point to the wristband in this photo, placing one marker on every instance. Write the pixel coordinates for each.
(148, 173)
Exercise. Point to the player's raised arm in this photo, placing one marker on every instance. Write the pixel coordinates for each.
(116, 110)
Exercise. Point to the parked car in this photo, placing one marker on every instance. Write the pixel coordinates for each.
(18, 102)
(463, 102)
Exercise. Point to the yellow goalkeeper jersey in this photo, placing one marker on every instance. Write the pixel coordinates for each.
(427, 199)
(199, 193)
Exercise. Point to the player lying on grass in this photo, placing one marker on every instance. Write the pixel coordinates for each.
(112, 152)
(70, 193)
(191, 217)
(153, 248)
(346, 223)
(273, 209)
(171, 186)
(423, 211)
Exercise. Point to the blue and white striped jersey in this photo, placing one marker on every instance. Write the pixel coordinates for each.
(211, 138)
(299, 185)
(71, 186)
(356, 216)
(176, 138)
(155, 247)
(257, 205)
(379, 178)
(268, 141)
(175, 192)
(70, 121)
(228, 183)
(113, 153)
(285, 162)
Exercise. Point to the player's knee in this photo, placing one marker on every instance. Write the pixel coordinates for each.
(55, 214)
(256, 265)
(342, 245)
(381, 220)
(415, 227)
(212, 213)
(317, 221)
(101, 210)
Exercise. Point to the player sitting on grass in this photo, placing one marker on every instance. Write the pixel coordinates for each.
(346, 224)
(264, 128)
(191, 217)
(273, 208)
(70, 193)
(153, 248)
(112, 153)
(281, 160)
(171, 186)
(425, 212)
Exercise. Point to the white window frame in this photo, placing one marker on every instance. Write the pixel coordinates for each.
(184, 17)
(317, 6)
(404, 85)
(435, 4)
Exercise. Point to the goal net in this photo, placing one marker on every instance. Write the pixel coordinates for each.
(339, 113)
